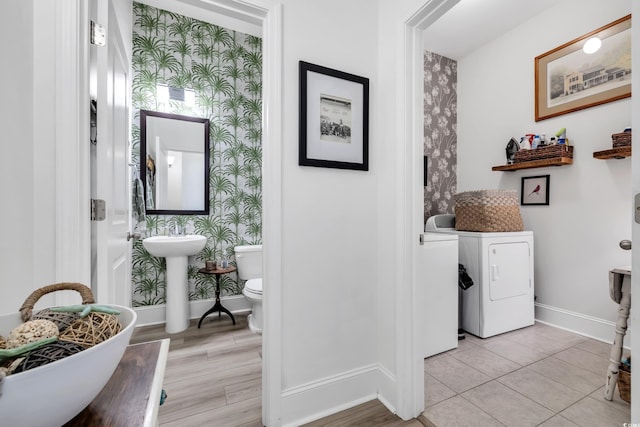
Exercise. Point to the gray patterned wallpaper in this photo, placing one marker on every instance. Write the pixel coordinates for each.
(440, 133)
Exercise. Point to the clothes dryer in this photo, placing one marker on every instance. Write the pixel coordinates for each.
(501, 267)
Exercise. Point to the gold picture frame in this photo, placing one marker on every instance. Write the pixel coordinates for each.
(568, 80)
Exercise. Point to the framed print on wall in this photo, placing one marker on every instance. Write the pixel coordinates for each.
(534, 190)
(568, 78)
(334, 118)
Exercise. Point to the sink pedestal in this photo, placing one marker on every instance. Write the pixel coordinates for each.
(176, 250)
(177, 309)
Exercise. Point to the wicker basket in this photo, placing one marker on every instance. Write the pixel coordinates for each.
(87, 332)
(488, 211)
(548, 152)
(26, 311)
(624, 385)
(622, 139)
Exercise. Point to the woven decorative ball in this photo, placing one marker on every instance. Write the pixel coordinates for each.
(92, 330)
(31, 331)
(61, 319)
(3, 343)
(10, 365)
(48, 354)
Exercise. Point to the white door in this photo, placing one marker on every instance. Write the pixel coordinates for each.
(111, 171)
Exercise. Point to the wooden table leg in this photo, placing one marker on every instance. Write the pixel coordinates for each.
(621, 330)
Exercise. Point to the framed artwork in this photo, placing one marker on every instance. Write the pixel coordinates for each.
(334, 118)
(534, 190)
(569, 79)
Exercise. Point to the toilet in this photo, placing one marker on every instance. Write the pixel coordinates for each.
(249, 263)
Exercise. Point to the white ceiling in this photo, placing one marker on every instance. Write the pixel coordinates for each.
(473, 23)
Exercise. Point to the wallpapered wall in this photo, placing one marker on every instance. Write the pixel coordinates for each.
(224, 69)
(440, 133)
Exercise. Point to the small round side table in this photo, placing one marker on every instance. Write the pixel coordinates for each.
(218, 271)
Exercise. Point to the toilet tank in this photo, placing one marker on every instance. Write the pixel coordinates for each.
(249, 261)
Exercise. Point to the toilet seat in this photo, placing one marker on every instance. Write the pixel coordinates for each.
(254, 287)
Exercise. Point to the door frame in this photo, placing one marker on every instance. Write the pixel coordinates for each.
(73, 227)
(72, 183)
(410, 361)
(634, 324)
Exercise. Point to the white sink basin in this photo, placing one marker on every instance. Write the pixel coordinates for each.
(168, 246)
(176, 249)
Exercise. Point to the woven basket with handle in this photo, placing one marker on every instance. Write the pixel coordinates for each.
(87, 332)
(62, 320)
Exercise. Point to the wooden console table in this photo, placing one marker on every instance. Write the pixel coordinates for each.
(131, 398)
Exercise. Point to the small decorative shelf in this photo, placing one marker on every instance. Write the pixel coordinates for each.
(614, 153)
(555, 161)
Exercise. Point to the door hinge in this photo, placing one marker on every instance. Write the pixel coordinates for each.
(98, 36)
(97, 210)
(421, 239)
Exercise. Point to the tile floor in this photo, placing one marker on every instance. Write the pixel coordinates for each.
(535, 376)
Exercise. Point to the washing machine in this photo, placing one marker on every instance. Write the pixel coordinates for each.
(436, 299)
(501, 267)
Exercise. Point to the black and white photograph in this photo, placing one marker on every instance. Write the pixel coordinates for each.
(334, 118)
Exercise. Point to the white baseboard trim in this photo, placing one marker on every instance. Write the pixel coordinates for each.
(387, 388)
(318, 399)
(582, 324)
(155, 314)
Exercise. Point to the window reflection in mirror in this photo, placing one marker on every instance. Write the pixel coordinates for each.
(174, 163)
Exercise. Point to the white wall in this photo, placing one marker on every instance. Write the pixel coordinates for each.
(28, 180)
(577, 235)
(330, 239)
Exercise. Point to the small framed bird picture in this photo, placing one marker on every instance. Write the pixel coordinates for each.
(535, 190)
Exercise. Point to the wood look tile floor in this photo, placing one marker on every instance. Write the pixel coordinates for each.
(534, 376)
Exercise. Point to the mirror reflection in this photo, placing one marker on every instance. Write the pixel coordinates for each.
(174, 161)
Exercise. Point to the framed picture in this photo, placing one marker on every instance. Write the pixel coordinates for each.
(535, 190)
(568, 79)
(334, 118)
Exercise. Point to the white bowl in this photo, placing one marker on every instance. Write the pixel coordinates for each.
(52, 394)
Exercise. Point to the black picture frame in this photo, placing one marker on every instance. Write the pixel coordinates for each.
(535, 190)
(333, 118)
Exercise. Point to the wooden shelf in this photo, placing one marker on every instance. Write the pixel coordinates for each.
(614, 153)
(556, 161)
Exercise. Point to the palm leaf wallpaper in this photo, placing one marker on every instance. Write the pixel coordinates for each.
(224, 69)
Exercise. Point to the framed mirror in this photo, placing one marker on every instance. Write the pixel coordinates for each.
(174, 163)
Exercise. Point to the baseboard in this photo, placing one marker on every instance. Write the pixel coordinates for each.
(155, 314)
(318, 399)
(387, 389)
(582, 324)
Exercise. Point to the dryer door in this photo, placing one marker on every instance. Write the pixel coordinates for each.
(509, 274)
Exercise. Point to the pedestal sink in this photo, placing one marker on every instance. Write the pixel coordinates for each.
(176, 249)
